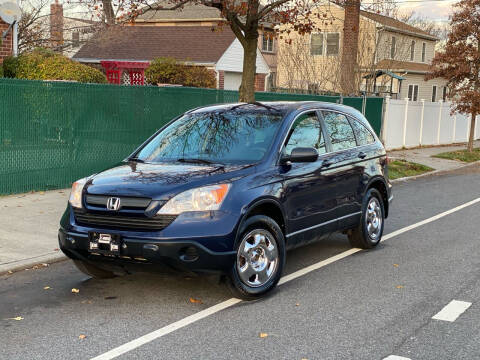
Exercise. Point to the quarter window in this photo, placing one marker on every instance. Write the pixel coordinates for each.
(340, 131)
(364, 136)
(306, 132)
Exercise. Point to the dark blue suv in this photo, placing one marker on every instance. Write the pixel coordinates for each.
(229, 188)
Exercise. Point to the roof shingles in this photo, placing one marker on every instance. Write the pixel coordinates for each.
(199, 44)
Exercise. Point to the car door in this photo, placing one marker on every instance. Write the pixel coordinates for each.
(346, 169)
(308, 192)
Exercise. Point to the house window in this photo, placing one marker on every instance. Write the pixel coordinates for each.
(267, 43)
(413, 92)
(75, 39)
(424, 49)
(434, 93)
(316, 44)
(333, 43)
(444, 93)
(412, 51)
(393, 48)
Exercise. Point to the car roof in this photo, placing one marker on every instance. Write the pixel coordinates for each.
(280, 106)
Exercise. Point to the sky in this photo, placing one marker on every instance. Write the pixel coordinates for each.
(438, 10)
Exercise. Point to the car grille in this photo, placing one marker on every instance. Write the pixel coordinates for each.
(100, 201)
(115, 220)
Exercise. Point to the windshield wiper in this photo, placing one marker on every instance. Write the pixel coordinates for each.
(196, 161)
(135, 159)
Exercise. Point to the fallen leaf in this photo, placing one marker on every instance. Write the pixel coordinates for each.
(75, 291)
(399, 286)
(44, 264)
(18, 318)
(10, 271)
(86, 301)
(297, 304)
(56, 249)
(396, 265)
(195, 301)
(81, 336)
(263, 335)
(42, 192)
(46, 287)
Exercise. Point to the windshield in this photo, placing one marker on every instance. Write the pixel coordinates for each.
(217, 137)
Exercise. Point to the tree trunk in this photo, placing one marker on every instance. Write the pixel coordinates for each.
(247, 88)
(472, 133)
(108, 12)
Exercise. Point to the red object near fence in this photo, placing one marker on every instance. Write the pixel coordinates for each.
(116, 69)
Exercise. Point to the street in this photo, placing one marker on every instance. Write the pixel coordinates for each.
(361, 305)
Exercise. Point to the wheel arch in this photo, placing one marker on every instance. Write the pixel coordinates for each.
(379, 184)
(268, 207)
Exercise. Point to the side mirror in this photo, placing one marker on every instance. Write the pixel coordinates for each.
(301, 154)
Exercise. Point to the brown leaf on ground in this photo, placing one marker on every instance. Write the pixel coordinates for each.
(82, 336)
(400, 286)
(75, 291)
(10, 271)
(396, 265)
(263, 335)
(195, 301)
(297, 304)
(46, 288)
(17, 318)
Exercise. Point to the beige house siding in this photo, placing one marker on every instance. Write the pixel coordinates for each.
(403, 47)
(425, 88)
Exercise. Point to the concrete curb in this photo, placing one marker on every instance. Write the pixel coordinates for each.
(23, 264)
(432, 173)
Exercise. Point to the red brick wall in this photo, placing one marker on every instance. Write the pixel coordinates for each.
(221, 80)
(6, 49)
(350, 45)
(56, 24)
(260, 82)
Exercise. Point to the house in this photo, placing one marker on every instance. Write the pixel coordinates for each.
(195, 34)
(8, 39)
(392, 57)
(69, 34)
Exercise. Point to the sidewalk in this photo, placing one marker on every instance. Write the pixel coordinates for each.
(423, 156)
(28, 228)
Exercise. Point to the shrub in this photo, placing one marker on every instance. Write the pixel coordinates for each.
(43, 64)
(1, 71)
(10, 66)
(169, 71)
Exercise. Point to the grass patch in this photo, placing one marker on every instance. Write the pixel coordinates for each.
(402, 168)
(461, 155)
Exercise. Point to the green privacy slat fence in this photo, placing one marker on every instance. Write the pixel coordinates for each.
(52, 133)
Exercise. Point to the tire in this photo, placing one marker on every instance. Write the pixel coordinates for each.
(260, 258)
(92, 270)
(373, 218)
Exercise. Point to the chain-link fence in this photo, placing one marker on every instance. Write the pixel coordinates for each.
(52, 133)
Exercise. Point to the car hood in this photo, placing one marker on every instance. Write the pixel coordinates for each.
(160, 181)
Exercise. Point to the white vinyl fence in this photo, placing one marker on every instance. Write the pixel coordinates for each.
(414, 123)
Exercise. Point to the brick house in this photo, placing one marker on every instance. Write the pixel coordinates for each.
(192, 35)
(6, 46)
(392, 57)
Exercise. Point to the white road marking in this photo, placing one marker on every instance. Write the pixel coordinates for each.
(131, 345)
(395, 357)
(452, 311)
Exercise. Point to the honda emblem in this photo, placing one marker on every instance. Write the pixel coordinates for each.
(113, 203)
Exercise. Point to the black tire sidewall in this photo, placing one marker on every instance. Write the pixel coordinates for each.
(376, 194)
(252, 223)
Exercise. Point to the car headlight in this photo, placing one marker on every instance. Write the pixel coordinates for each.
(76, 193)
(200, 199)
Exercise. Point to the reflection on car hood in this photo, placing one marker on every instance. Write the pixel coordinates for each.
(160, 180)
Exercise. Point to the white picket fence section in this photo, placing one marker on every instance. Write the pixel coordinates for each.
(408, 124)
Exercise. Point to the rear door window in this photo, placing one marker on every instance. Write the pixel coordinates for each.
(364, 136)
(339, 130)
(306, 132)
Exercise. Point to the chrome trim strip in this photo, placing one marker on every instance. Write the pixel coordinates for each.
(71, 233)
(323, 224)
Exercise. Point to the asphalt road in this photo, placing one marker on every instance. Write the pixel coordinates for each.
(369, 305)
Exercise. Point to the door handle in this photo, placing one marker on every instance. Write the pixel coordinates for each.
(362, 155)
(326, 163)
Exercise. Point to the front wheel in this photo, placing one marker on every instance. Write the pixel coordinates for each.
(260, 258)
(369, 231)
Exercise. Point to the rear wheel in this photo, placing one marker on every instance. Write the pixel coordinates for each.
(260, 258)
(92, 270)
(369, 231)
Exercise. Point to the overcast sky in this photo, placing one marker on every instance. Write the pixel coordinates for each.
(433, 9)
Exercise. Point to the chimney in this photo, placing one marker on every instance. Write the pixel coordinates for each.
(6, 44)
(350, 46)
(56, 25)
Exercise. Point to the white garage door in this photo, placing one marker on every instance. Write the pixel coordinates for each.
(232, 80)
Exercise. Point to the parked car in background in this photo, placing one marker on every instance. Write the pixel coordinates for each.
(230, 188)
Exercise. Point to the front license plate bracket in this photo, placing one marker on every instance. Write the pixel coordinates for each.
(103, 243)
